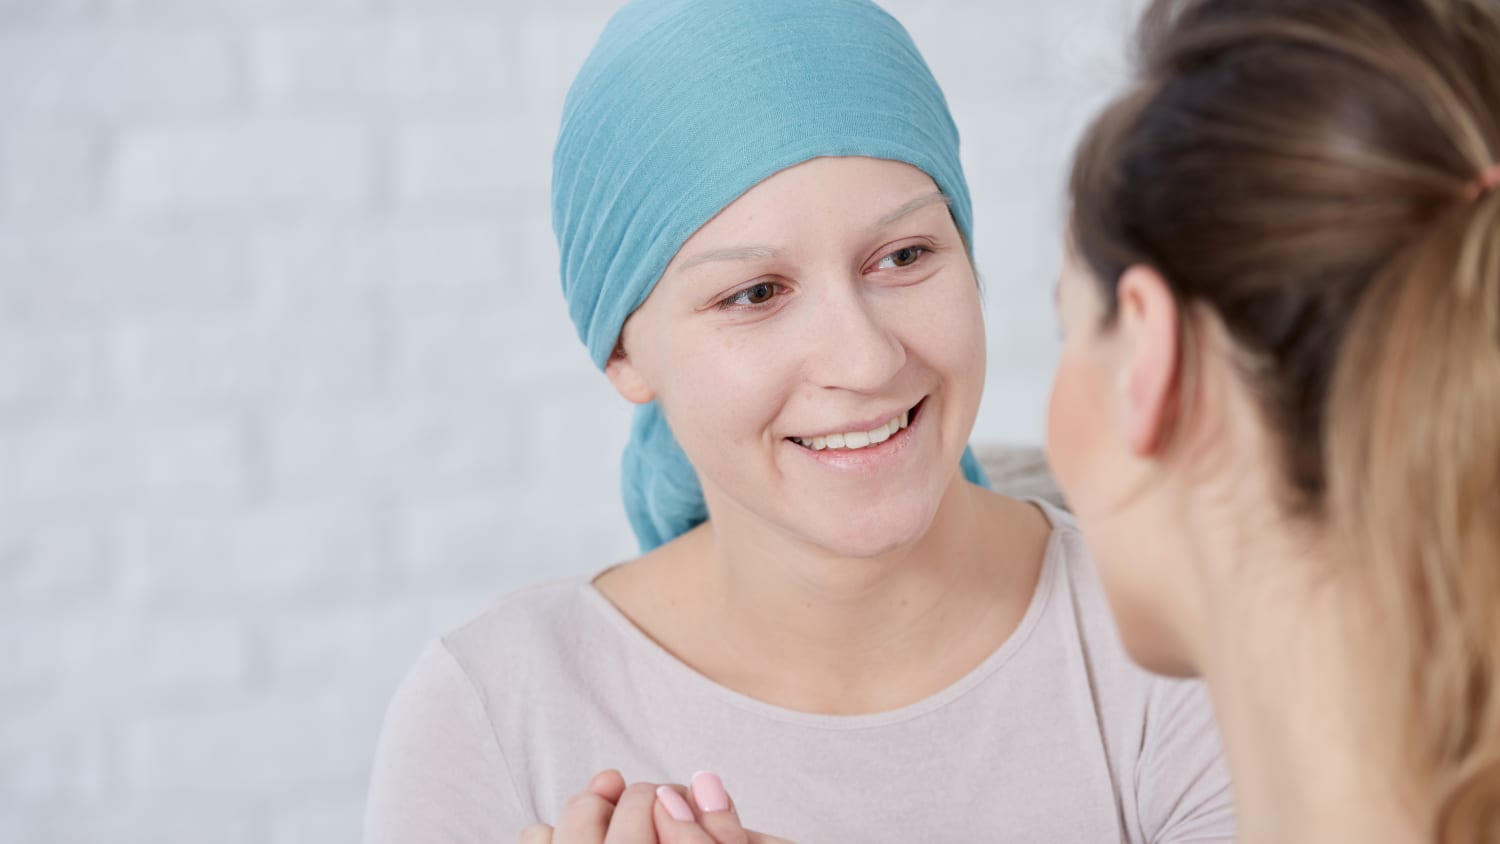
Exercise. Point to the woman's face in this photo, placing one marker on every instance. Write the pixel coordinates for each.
(1095, 395)
(1080, 427)
(793, 335)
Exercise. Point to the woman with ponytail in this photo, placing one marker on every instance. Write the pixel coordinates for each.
(1277, 414)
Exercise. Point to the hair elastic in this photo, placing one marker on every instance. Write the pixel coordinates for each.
(1487, 181)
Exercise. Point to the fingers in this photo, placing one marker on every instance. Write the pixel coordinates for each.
(610, 813)
(608, 784)
(675, 821)
(585, 819)
(632, 821)
(715, 810)
(710, 818)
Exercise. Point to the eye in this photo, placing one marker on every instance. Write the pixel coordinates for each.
(903, 257)
(756, 294)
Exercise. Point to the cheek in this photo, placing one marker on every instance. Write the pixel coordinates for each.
(1094, 476)
(720, 394)
(943, 327)
(1075, 425)
(727, 394)
(969, 333)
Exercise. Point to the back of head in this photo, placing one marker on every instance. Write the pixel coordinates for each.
(1315, 174)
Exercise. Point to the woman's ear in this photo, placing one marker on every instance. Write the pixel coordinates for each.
(1151, 365)
(626, 378)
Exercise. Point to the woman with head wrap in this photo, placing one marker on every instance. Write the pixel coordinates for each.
(1277, 412)
(765, 231)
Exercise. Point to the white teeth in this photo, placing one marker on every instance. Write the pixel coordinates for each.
(858, 439)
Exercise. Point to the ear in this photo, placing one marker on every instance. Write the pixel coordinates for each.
(1148, 329)
(626, 378)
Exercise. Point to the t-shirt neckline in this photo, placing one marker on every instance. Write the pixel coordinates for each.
(638, 640)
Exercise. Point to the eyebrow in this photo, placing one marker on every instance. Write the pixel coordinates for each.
(761, 253)
(919, 202)
(738, 253)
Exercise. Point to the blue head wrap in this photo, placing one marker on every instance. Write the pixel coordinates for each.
(684, 105)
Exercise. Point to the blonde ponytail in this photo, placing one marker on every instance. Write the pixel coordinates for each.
(1314, 174)
(1413, 446)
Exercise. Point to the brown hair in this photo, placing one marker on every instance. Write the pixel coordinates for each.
(1307, 171)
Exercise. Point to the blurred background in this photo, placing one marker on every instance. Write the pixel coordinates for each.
(287, 385)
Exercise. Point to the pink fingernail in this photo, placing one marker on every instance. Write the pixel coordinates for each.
(709, 791)
(675, 805)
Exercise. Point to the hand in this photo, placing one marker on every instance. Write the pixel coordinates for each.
(606, 811)
(703, 814)
(610, 813)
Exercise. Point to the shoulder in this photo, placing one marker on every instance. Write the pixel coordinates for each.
(536, 637)
(439, 773)
(1075, 565)
(1072, 584)
(546, 605)
(1081, 604)
(445, 761)
(535, 629)
(454, 671)
(1160, 731)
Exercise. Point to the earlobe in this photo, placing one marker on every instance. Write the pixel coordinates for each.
(627, 379)
(1149, 325)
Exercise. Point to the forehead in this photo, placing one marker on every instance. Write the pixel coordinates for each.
(823, 195)
(1076, 291)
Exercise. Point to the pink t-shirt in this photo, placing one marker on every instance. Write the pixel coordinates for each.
(1056, 737)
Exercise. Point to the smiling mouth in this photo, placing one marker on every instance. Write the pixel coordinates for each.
(856, 440)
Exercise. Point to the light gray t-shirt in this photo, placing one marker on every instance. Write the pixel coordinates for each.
(1056, 737)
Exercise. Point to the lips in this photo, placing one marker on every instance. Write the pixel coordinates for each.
(858, 439)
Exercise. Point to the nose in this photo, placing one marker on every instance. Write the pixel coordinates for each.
(857, 347)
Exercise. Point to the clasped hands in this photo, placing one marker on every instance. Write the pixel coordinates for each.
(609, 812)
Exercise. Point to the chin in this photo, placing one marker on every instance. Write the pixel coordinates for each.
(1150, 645)
(1165, 664)
(1140, 595)
(866, 547)
(877, 530)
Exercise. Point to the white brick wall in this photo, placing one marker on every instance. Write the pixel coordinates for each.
(47, 172)
(287, 385)
(117, 70)
(287, 167)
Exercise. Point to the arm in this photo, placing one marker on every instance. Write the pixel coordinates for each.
(439, 775)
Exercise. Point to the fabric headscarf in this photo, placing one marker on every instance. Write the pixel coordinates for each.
(684, 105)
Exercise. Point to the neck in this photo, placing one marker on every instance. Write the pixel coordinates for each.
(813, 631)
(1288, 669)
